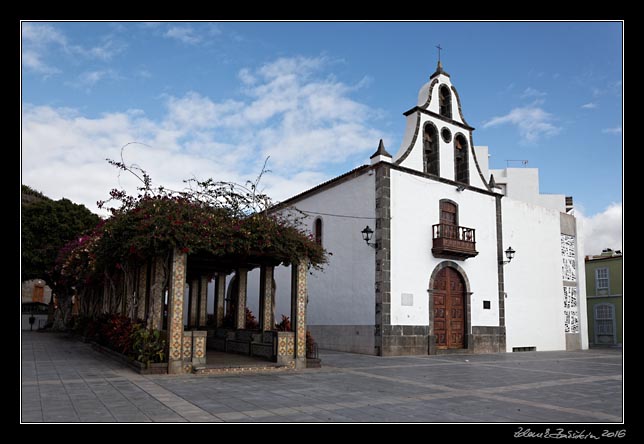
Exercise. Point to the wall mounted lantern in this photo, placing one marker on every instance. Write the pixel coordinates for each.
(509, 253)
(367, 233)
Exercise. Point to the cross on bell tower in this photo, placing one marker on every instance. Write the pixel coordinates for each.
(439, 66)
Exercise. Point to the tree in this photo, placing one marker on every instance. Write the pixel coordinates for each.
(47, 225)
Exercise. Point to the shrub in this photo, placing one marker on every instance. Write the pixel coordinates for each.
(251, 321)
(148, 345)
(284, 325)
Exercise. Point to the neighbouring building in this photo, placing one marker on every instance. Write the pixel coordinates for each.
(35, 297)
(604, 297)
(435, 274)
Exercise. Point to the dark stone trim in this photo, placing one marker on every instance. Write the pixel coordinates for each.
(383, 255)
(381, 151)
(412, 143)
(467, 155)
(488, 339)
(499, 260)
(356, 172)
(467, 342)
(440, 179)
(476, 162)
(449, 137)
(429, 96)
(439, 117)
(438, 147)
(458, 102)
(438, 72)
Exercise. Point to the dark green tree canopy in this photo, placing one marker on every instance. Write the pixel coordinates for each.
(46, 226)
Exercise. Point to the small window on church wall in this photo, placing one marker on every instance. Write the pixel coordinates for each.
(445, 102)
(461, 164)
(318, 231)
(430, 149)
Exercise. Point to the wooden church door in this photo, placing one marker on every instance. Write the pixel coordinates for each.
(449, 309)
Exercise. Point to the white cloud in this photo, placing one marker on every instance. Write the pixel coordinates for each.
(616, 130)
(40, 41)
(590, 105)
(602, 230)
(531, 121)
(531, 92)
(306, 122)
(196, 34)
(36, 39)
(246, 77)
(184, 34)
(104, 51)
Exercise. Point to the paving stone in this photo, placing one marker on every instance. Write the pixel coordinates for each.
(64, 380)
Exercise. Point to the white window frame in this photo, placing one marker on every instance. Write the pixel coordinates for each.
(611, 319)
(599, 279)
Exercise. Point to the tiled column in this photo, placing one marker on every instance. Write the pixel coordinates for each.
(175, 311)
(141, 290)
(194, 303)
(298, 310)
(157, 296)
(220, 295)
(203, 301)
(266, 298)
(242, 280)
(199, 347)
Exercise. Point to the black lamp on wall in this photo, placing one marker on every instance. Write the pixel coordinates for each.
(509, 253)
(367, 234)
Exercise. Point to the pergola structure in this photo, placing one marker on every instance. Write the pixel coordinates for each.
(159, 242)
(145, 299)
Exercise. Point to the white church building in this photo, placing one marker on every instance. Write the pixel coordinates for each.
(435, 274)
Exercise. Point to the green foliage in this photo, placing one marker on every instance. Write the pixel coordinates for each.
(149, 346)
(47, 226)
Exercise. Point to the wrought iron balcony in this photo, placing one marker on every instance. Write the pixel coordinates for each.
(453, 242)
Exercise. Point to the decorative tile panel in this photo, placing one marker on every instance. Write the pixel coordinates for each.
(220, 294)
(203, 300)
(300, 346)
(157, 295)
(186, 348)
(175, 315)
(267, 286)
(141, 291)
(242, 275)
(571, 310)
(569, 266)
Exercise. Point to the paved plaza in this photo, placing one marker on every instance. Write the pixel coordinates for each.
(65, 380)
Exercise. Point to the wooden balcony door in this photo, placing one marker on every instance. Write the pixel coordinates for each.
(448, 213)
(449, 309)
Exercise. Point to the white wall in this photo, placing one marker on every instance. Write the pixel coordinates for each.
(343, 293)
(415, 208)
(483, 156)
(523, 184)
(533, 281)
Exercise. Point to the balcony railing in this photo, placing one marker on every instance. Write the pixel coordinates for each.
(453, 242)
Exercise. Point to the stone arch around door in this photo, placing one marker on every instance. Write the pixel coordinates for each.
(456, 270)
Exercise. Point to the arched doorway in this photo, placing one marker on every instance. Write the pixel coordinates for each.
(449, 309)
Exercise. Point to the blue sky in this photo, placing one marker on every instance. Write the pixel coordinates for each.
(214, 99)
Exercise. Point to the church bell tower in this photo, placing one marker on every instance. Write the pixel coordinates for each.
(438, 140)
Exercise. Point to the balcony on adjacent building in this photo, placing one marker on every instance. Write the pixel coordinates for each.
(453, 242)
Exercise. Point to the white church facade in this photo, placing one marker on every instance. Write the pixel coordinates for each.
(434, 277)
